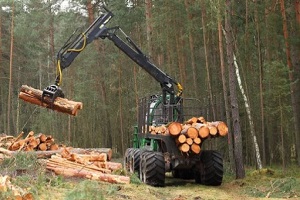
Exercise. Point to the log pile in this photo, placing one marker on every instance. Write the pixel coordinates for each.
(34, 96)
(18, 193)
(40, 142)
(94, 166)
(90, 163)
(190, 135)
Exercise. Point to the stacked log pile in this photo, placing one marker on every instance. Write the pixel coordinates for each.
(190, 135)
(10, 146)
(34, 96)
(91, 163)
(18, 193)
(93, 166)
(31, 142)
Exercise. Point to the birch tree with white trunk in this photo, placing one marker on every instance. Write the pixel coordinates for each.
(248, 110)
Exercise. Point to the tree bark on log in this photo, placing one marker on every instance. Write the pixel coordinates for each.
(99, 171)
(59, 161)
(111, 178)
(47, 154)
(63, 105)
(191, 120)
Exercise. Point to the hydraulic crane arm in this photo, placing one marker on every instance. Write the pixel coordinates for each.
(96, 30)
(133, 52)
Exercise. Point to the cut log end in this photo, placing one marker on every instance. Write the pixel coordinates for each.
(192, 132)
(195, 148)
(174, 128)
(184, 147)
(204, 132)
(181, 139)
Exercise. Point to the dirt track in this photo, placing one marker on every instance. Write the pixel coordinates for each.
(176, 189)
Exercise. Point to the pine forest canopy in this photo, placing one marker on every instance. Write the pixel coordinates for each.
(202, 44)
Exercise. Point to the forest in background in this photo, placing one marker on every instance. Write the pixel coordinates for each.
(200, 43)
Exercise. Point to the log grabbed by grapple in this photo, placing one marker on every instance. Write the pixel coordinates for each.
(52, 92)
(59, 104)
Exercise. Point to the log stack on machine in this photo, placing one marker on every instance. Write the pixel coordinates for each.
(190, 135)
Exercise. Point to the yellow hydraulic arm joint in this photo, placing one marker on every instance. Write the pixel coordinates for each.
(180, 89)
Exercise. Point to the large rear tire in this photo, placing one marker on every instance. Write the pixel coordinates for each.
(135, 161)
(127, 159)
(152, 169)
(209, 171)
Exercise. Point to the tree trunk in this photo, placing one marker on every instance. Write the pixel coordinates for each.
(180, 45)
(2, 120)
(248, 110)
(260, 65)
(295, 58)
(188, 5)
(101, 50)
(294, 86)
(149, 29)
(90, 11)
(238, 146)
(121, 112)
(225, 89)
(9, 97)
(282, 136)
(203, 17)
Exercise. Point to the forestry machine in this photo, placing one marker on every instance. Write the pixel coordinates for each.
(152, 155)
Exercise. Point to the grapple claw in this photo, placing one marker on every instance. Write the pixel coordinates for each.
(52, 92)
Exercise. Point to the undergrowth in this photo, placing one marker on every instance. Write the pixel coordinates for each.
(85, 190)
(272, 183)
(29, 173)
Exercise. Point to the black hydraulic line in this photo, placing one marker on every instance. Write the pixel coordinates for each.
(67, 56)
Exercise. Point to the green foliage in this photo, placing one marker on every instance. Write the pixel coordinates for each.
(20, 163)
(134, 179)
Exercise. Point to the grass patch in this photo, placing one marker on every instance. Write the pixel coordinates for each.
(134, 179)
(271, 183)
(85, 190)
(20, 163)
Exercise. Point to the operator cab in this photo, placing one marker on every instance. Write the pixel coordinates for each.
(152, 111)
